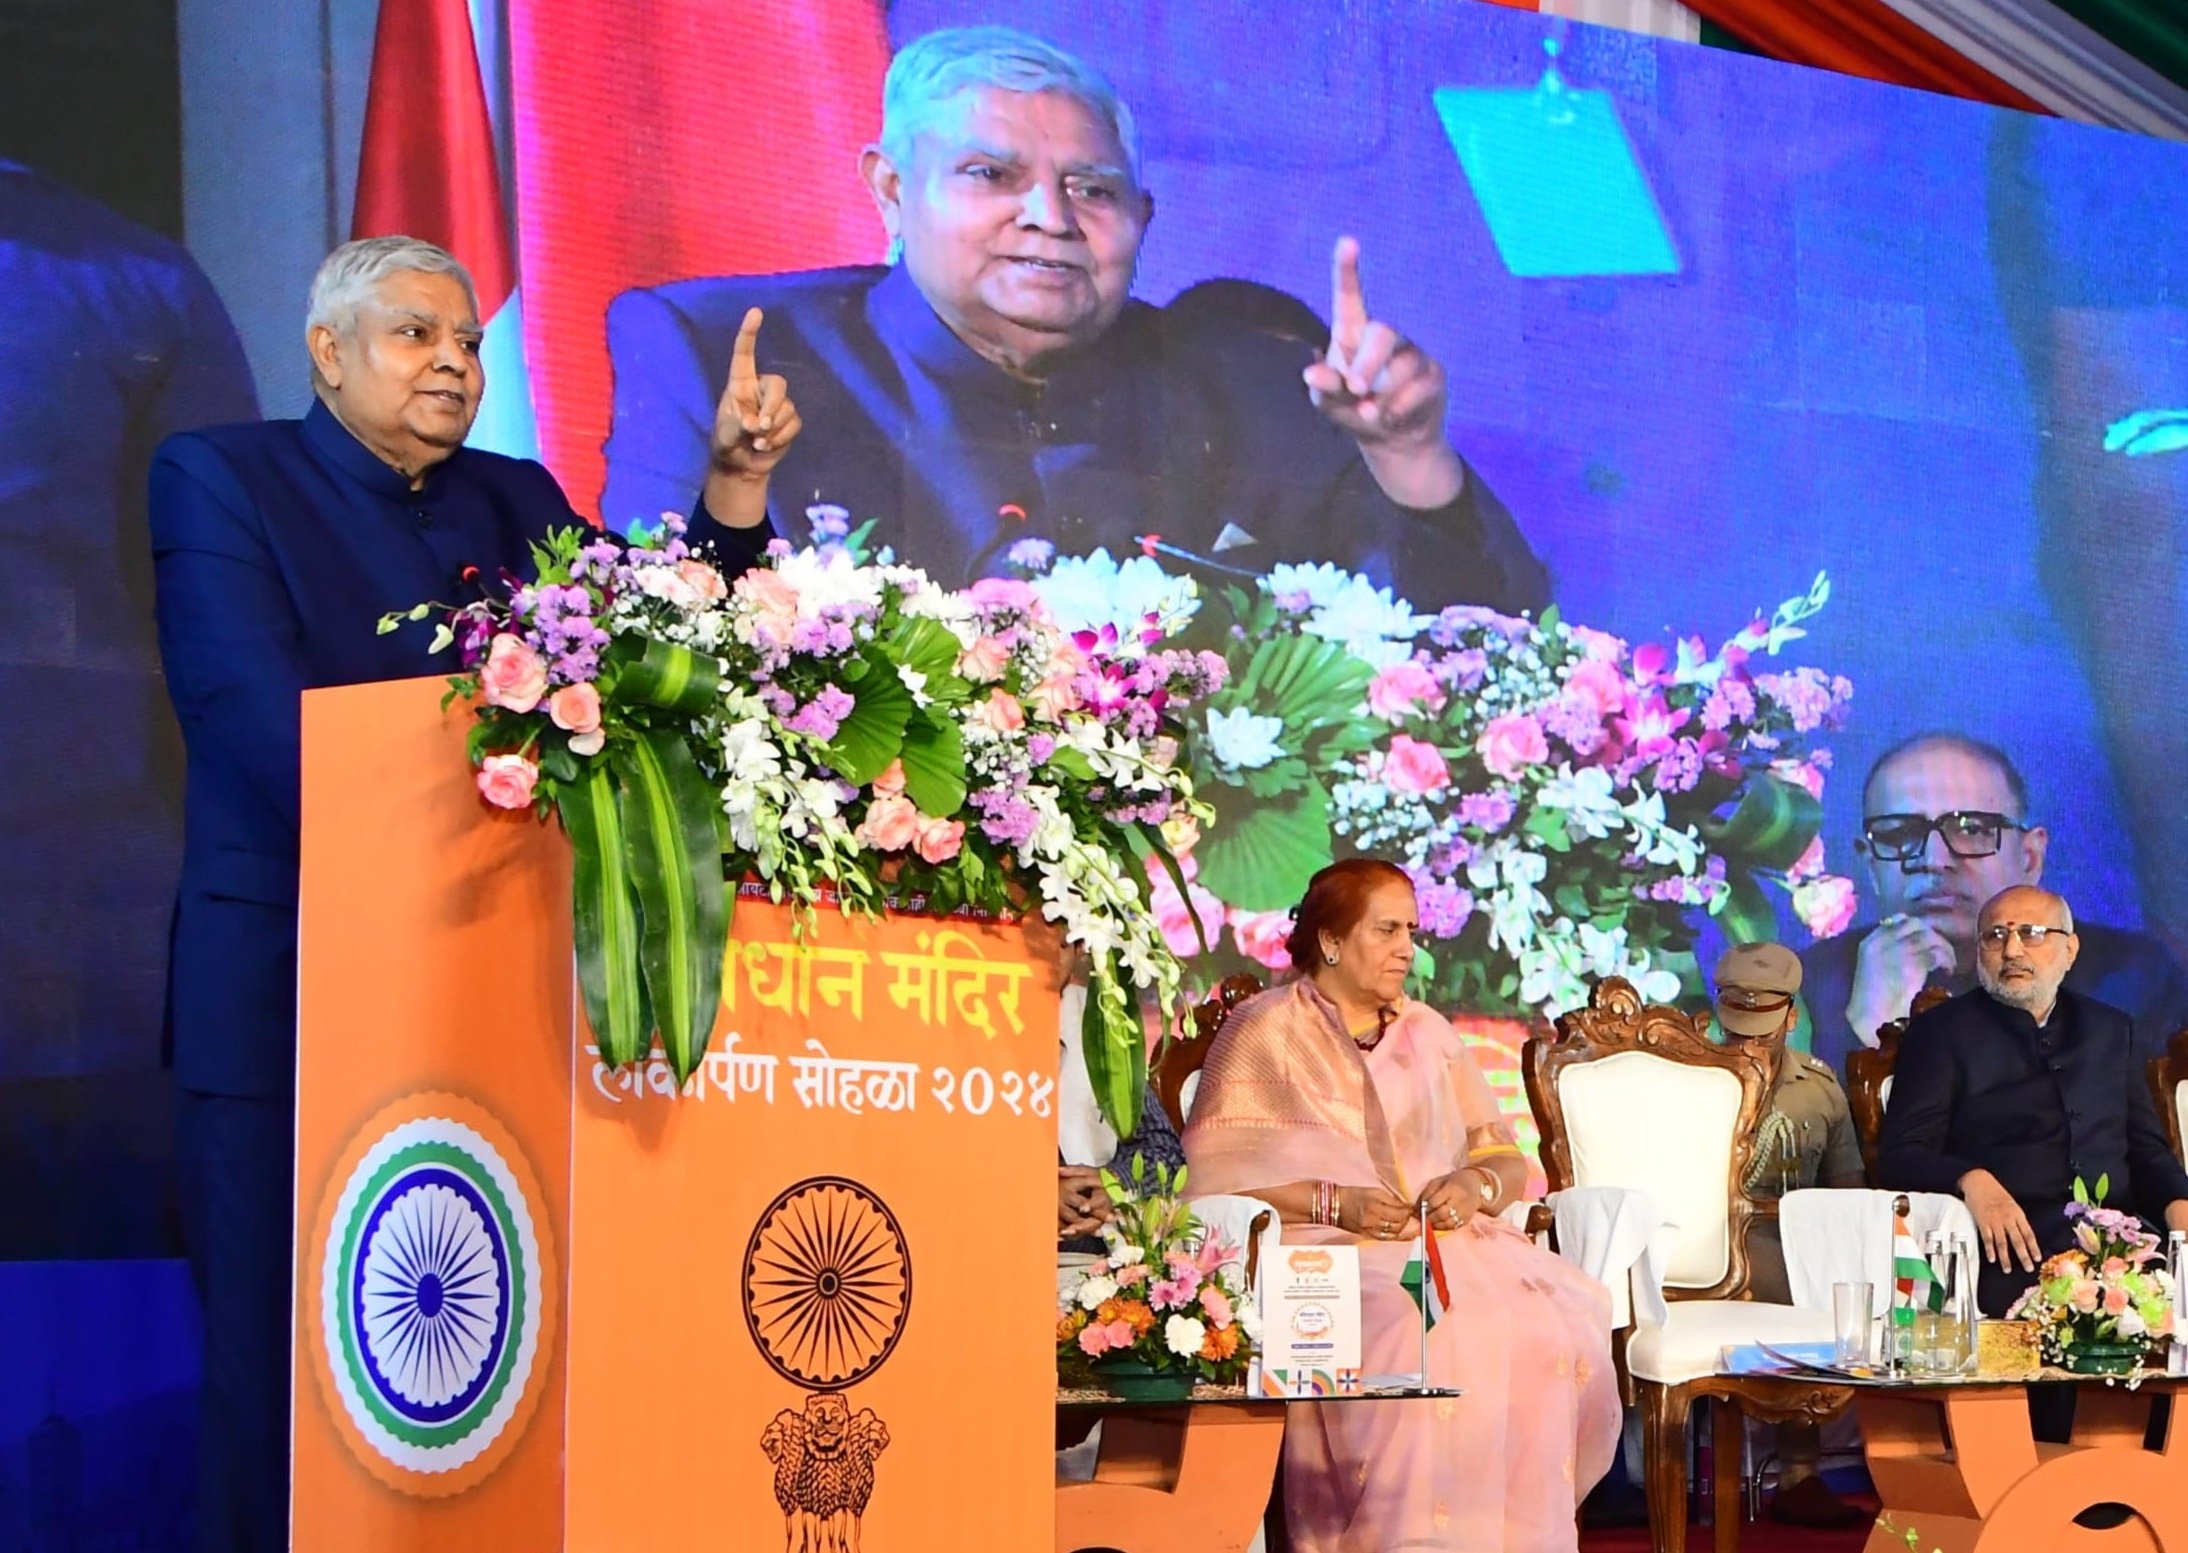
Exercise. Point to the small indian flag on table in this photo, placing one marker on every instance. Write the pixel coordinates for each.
(1913, 1284)
(1424, 1279)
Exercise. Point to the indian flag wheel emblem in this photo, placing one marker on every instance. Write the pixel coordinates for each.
(432, 1291)
(827, 1283)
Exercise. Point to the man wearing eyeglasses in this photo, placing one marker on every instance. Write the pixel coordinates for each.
(1945, 827)
(2010, 1094)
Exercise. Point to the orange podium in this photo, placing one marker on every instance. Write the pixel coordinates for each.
(542, 1305)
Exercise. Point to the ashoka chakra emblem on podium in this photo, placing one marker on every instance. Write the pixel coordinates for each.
(827, 1283)
(432, 1294)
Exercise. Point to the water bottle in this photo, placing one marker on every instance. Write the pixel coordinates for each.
(2176, 1268)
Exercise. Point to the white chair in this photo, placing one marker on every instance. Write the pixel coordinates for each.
(1637, 1096)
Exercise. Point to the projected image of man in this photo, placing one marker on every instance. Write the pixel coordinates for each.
(1946, 826)
(999, 382)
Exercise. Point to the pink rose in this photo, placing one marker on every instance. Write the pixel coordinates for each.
(1217, 1304)
(703, 580)
(2115, 1299)
(506, 781)
(1402, 689)
(1415, 767)
(1825, 905)
(773, 602)
(1004, 593)
(1000, 712)
(2084, 1295)
(1512, 743)
(890, 782)
(575, 708)
(1174, 917)
(984, 660)
(1600, 646)
(939, 840)
(1131, 1275)
(513, 677)
(1601, 683)
(1094, 1339)
(1263, 936)
(891, 823)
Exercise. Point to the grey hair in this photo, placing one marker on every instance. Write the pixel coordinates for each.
(350, 277)
(933, 69)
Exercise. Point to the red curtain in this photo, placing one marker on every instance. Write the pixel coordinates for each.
(1861, 38)
(662, 139)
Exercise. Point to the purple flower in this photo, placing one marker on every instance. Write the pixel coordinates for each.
(830, 522)
(1039, 746)
(1680, 768)
(1489, 812)
(1294, 603)
(1465, 669)
(1444, 908)
(1732, 701)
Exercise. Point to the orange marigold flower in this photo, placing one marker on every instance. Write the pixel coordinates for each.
(1070, 1325)
(1137, 1313)
(1109, 1310)
(1221, 1343)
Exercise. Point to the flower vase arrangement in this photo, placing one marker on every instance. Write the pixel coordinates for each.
(2104, 1302)
(1162, 1311)
(1567, 802)
(846, 732)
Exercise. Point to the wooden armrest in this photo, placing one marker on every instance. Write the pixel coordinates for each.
(1542, 1221)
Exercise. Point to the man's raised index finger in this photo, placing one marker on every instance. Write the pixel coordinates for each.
(1348, 303)
(744, 357)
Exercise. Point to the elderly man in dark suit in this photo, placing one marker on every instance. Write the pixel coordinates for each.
(2008, 1094)
(1000, 383)
(276, 547)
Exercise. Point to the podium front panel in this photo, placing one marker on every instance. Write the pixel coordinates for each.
(811, 1297)
(435, 1011)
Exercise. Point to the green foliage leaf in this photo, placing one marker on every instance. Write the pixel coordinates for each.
(1116, 1051)
(644, 672)
(1771, 826)
(1146, 839)
(1287, 775)
(1260, 852)
(873, 735)
(676, 870)
(930, 648)
(934, 765)
(1744, 913)
(1312, 684)
(605, 918)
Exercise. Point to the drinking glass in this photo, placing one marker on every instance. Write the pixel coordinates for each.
(1850, 1306)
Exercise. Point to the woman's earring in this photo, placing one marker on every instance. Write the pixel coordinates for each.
(1328, 958)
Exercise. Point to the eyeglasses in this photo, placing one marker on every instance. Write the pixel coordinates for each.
(2031, 934)
(1895, 838)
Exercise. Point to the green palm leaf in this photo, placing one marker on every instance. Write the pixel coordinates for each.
(605, 918)
(1261, 850)
(676, 867)
(873, 734)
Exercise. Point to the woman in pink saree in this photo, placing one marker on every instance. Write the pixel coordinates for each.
(1350, 1108)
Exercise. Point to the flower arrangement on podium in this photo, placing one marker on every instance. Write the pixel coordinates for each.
(1567, 802)
(845, 731)
(2103, 1302)
(1162, 1310)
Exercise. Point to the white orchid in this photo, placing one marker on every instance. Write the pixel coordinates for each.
(1087, 593)
(1241, 740)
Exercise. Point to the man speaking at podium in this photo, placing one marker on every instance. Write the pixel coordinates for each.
(276, 548)
(999, 383)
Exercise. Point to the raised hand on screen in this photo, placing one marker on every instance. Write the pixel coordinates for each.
(1385, 392)
(755, 423)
